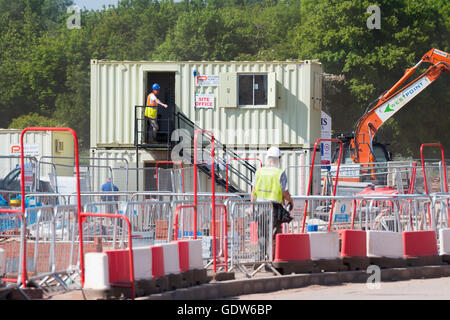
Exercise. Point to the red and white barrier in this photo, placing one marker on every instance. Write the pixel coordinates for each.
(444, 241)
(183, 255)
(103, 269)
(157, 261)
(292, 247)
(384, 244)
(171, 258)
(419, 244)
(324, 245)
(354, 243)
(96, 271)
(195, 254)
(142, 263)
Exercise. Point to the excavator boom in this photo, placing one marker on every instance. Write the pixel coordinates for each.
(395, 99)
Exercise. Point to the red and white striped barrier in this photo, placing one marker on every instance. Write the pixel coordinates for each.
(157, 262)
(292, 247)
(324, 245)
(171, 258)
(444, 241)
(103, 269)
(419, 244)
(195, 254)
(354, 243)
(142, 263)
(384, 244)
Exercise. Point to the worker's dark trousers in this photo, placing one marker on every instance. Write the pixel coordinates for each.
(264, 235)
(152, 129)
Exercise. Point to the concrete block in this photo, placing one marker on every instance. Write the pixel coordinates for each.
(324, 245)
(200, 276)
(384, 244)
(329, 265)
(188, 278)
(224, 276)
(162, 284)
(444, 241)
(384, 262)
(142, 263)
(288, 267)
(96, 271)
(446, 258)
(146, 287)
(356, 263)
(424, 261)
(175, 281)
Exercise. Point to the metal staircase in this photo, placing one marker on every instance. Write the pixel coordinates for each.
(241, 172)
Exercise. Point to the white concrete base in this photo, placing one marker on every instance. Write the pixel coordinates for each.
(96, 271)
(2, 262)
(171, 258)
(195, 254)
(324, 245)
(142, 263)
(384, 244)
(444, 241)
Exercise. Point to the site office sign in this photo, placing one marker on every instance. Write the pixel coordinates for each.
(204, 101)
(29, 150)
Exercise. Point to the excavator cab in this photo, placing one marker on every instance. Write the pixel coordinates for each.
(380, 153)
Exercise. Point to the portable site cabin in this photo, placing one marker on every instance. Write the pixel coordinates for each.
(249, 106)
(52, 152)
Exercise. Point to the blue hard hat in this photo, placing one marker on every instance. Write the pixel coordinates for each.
(156, 87)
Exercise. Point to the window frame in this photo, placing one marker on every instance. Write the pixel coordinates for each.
(253, 74)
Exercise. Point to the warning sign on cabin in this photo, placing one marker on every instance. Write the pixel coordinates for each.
(204, 101)
(208, 80)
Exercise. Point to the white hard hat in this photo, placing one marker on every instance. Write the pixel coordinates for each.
(274, 152)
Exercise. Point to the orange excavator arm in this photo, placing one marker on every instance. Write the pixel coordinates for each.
(393, 100)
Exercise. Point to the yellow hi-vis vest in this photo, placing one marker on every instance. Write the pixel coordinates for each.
(267, 184)
(152, 108)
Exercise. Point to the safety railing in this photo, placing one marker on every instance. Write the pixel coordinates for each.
(443, 169)
(251, 236)
(12, 239)
(311, 175)
(150, 221)
(212, 229)
(170, 162)
(404, 211)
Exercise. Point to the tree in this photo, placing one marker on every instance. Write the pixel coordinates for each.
(372, 61)
(34, 120)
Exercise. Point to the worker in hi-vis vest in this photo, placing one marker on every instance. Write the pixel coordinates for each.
(271, 184)
(151, 111)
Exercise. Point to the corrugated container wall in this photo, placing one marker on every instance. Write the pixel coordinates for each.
(291, 118)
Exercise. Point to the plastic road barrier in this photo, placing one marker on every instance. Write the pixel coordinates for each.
(384, 244)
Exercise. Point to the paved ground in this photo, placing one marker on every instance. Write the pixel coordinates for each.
(422, 289)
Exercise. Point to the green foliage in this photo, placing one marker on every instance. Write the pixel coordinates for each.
(45, 67)
(34, 120)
